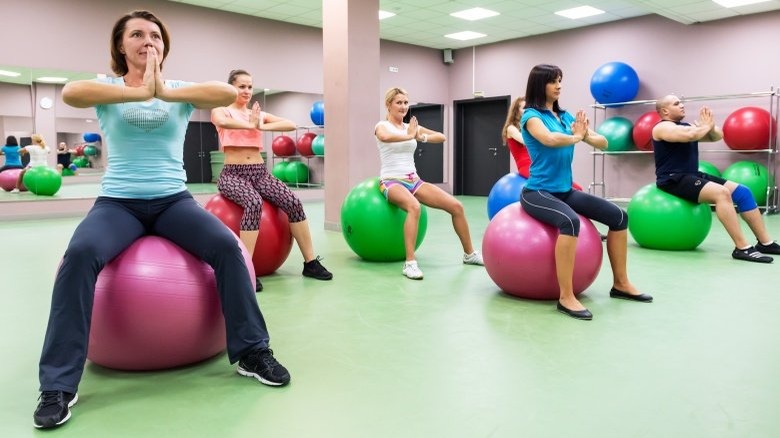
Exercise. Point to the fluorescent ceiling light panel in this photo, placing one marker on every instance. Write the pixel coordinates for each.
(474, 14)
(385, 14)
(465, 35)
(11, 74)
(737, 3)
(579, 12)
(51, 79)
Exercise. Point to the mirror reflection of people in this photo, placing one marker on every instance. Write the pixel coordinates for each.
(38, 152)
(401, 185)
(63, 158)
(13, 158)
(245, 178)
(676, 152)
(550, 134)
(144, 119)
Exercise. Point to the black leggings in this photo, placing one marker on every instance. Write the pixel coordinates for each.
(560, 210)
(110, 227)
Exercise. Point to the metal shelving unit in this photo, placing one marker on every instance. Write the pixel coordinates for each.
(772, 103)
(297, 157)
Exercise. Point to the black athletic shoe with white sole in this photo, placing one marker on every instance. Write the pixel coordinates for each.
(53, 409)
(751, 254)
(772, 248)
(262, 365)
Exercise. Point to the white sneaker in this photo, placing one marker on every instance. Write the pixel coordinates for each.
(411, 270)
(475, 258)
(15, 190)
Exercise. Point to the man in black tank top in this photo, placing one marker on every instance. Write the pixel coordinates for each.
(676, 151)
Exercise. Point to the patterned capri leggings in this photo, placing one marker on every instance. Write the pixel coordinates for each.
(248, 185)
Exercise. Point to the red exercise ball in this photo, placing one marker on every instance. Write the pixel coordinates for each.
(79, 150)
(748, 128)
(156, 306)
(274, 242)
(643, 130)
(305, 144)
(283, 146)
(519, 254)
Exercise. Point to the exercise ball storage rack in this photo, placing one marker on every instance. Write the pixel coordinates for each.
(768, 155)
(299, 131)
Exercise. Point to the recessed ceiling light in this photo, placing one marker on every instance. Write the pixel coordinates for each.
(465, 35)
(385, 14)
(474, 14)
(51, 79)
(737, 3)
(579, 12)
(11, 74)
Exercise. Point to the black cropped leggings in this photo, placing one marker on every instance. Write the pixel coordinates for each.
(560, 210)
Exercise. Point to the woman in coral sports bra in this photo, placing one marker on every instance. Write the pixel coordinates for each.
(245, 179)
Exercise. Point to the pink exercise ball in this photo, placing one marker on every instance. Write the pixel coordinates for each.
(8, 180)
(643, 130)
(749, 128)
(274, 242)
(519, 255)
(304, 144)
(283, 146)
(156, 306)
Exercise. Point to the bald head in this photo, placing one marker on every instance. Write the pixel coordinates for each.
(665, 101)
(670, 107)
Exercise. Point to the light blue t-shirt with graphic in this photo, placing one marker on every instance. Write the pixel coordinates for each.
(145, 145)
(550, 166)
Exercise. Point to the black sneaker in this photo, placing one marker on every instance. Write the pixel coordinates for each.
(314, 269)
(53, 409)
(772, 248)
(262, 365)
(750, 254)
(258, 285)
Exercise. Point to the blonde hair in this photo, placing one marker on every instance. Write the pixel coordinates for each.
(513, 116)
(38, 139)
(391, 93)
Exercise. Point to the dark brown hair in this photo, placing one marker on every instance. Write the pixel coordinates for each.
(235, 73)
(118, 62)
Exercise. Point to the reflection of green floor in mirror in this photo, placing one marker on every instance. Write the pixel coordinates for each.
(373, 354)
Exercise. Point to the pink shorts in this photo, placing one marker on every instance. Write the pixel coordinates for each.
(411, 182)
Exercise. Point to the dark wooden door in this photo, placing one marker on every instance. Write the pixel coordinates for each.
(480, 157)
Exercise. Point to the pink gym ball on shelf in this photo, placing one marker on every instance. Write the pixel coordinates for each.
(519, 254)
(283, 146)
(749, 128)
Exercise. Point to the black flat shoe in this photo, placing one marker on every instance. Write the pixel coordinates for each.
(584, 315)
(258, 285)
(642, 298)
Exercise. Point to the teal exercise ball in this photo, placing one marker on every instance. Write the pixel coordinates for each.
(296, 172)
(42, 180)
(90, 150)
(708, 168)
(373, 227)
(658, 220)
(752, 175)
(279, 170)
(619, 134)
(318, 145)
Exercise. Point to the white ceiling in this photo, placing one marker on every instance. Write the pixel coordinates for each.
(425, 22)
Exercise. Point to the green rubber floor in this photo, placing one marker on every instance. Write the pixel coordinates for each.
(373, 354)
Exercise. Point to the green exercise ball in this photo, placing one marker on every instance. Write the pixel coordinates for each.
(619, 134)
(42, 180)
(752, 175)
(67, 172)
(708, 168)
(296, 172)
(81, 161)
(318, 145)
(279, 170)
(90, 150)
(373, 227)
(658, 220)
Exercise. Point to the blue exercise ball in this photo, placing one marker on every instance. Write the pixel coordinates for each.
(614, 82)
(91, 137)
(505, 192)
(317, 113)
